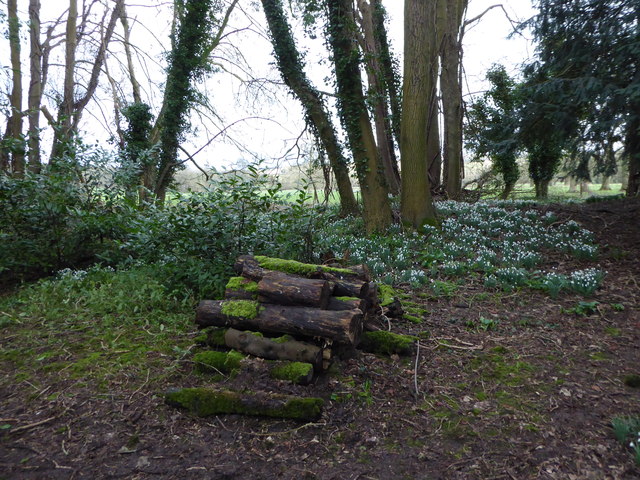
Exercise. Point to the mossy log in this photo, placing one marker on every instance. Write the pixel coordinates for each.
(300, 373)
(349, 288)
(284, 289)
(256, 267)
(207, 402)
(346, 303)
(274, 349)
(387, 343)
(241, 288)
(340, 326)
(248, 266)
(218, 362)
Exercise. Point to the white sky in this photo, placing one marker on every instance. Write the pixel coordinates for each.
(484, 44)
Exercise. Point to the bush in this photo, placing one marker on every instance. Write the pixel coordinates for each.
(60, 218)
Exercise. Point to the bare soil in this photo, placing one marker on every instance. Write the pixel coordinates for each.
(528, 394)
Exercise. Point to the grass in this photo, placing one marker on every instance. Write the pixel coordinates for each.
(560, 192)
(93, 326)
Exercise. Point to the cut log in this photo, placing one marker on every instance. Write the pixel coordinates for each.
(340, 326)
(241, 288)
(387, 343)
(349, 288)
(346, 303)
(248, 266)
(283, 289)
(274, 349)
(207, 402)
(256, 267)
(299, 373)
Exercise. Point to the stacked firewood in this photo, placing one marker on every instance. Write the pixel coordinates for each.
(293, 317)
(319, 306)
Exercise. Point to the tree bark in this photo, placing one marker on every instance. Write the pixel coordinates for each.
(419, 82)
(208, 402)
(291, 350)
(62, 132)
(339, 326)
(15, 120)
(35, 86)
(390, 76)
(291, 68)
(355, 118)
(283, 289)
(71, 109)
(450, 85)
(378, 97)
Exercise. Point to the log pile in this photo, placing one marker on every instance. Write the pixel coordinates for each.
(293, 317)
(319, 306)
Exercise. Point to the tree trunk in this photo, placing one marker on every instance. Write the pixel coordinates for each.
(62, 133)
(573, 185)
(355, 118)
(450, 85)
(291, 68)
(35, 86)
(434, 153)
(339, 326)
(378, 96)
(283, 289)
(542, 189)
(632, 148)
(15, 120)
(207, 402)
(71, 109)
(124, 20)
(392, 84)
(584, 188)
(419, 82)
(258, 346)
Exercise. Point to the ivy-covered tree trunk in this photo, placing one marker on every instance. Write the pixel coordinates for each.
(291, 68)
(378, 96)
(391, 81)
(420, 74)
(354, 115)
(185, 62)
(544, 160)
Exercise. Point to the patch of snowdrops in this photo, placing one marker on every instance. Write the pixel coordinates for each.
(504, 242)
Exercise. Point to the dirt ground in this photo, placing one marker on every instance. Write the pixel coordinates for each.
(529, 393)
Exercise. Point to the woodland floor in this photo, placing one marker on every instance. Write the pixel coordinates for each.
(530, 397)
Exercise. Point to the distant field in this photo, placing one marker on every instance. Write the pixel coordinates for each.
(561, 192)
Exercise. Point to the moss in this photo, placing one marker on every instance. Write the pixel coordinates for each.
(204, 402)
(632, 380)
(386, 294)
(412, 318)
(212, 337)
(294, 372)
(282, 339)
(241, 283)
(347, 299)
(494, 366)
(387, 342)
(218, 362)
(241, 308)
(297, 268)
